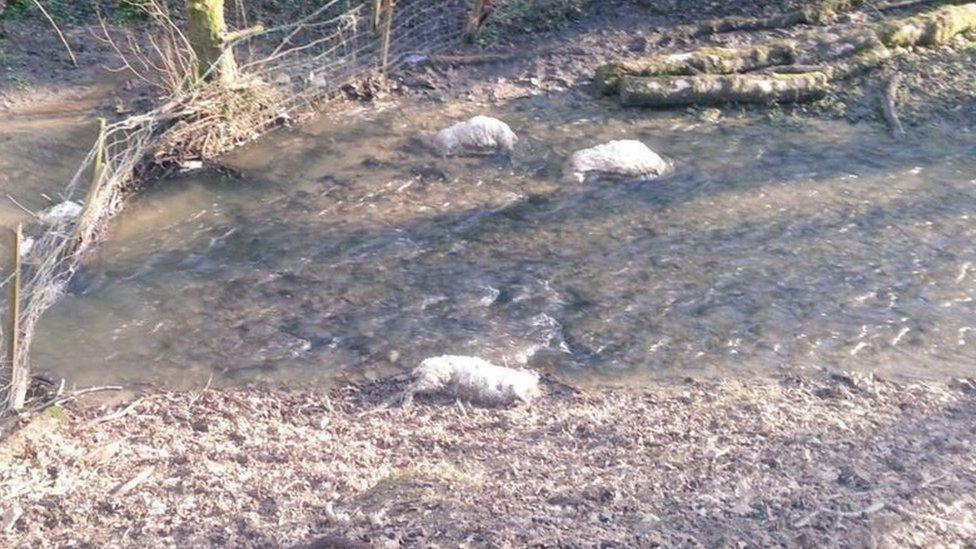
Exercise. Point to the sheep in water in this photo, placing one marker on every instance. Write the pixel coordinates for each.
(473, 380)
(481, 135)
(626, 159)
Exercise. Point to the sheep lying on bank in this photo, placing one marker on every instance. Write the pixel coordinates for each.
(617, 160)
(473, 380)
(64, 212)
(481, 135)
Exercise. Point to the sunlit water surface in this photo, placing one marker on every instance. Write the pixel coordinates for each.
(345, 252)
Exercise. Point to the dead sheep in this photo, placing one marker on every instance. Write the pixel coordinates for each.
(65, 212)
(472, 380)
(481, 135)
(616, 160)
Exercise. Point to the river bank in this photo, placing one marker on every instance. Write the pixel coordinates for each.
(824, 461)
(810, 461)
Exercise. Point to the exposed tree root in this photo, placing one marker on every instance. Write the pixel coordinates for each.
(861, 61)
(671, 91)
(888, 107)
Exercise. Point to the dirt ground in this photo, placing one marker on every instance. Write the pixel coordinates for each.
(836, 461)
(938, 84)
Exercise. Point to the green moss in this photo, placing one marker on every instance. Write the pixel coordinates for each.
(528, 16)
(707, 60)
(18, 82)
(131, 10)
(206, 29)
(676, 91)
(929, 29)
(60, 10)
(55, 412)
(608, 77)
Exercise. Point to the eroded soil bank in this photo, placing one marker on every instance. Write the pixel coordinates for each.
(834, 461)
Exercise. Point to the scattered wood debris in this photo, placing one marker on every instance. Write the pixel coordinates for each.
(845, 459)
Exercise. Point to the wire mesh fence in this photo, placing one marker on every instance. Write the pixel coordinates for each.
(302, 63)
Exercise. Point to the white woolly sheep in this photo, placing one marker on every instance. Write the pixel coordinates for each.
(64, 212)
(481, 135)
(626, 159)
(473, 380)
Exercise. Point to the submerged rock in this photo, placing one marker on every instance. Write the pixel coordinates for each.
(626, 159)
(65, 212)
(481, 135)
(473, 380)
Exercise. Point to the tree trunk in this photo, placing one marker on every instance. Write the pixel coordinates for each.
(671, 91)
(207, 32)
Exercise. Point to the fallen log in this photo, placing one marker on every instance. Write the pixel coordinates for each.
(702, 61)
(819, 14)
(673, 91)
(933, 28)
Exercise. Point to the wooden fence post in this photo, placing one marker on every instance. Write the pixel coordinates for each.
(388, 8)
(377, 13)
(19, 376)
(474, 19)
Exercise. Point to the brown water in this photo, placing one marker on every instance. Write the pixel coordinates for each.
(344, 252)
(41, 147)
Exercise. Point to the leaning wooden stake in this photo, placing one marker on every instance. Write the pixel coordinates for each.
(18, 369)
(389, 5)
(98, 167)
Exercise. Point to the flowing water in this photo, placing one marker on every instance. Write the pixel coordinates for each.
(345, 251)
(41, 147)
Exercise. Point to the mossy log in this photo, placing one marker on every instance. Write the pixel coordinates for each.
(702, 61)
(929, 29)
(817, 14)
(673, 91)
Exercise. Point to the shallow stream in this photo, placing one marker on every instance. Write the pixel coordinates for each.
(346, 252)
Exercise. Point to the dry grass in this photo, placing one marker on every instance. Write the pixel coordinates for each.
(841, 461)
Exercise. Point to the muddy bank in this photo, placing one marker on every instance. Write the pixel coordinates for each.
(521, 61)
(815, 462)
(937, 81)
